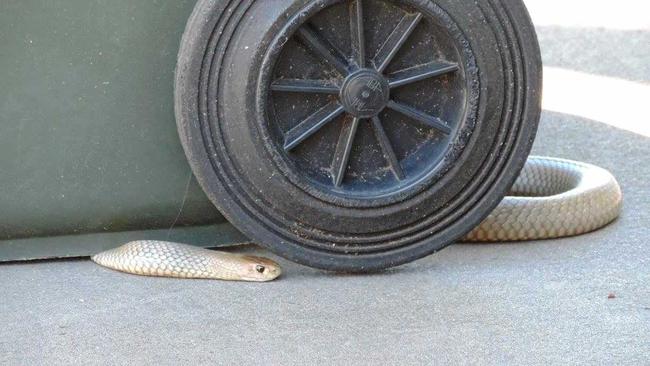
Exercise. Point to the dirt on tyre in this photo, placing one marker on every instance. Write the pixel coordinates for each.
(357, 135)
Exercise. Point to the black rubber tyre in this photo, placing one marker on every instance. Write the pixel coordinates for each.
(357, 135)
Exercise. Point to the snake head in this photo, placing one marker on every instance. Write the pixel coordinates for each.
(261, 269)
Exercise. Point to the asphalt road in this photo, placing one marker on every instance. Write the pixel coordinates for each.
(528, 303)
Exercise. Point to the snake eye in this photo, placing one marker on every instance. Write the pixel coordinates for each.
(260, 268)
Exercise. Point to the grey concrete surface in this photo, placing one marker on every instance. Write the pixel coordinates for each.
(527, 303)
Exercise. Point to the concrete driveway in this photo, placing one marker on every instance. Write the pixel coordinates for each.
(529, 303)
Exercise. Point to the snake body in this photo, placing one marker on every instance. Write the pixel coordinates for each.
(552, 198)
(166, 259)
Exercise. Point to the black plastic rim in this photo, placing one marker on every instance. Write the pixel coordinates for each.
(383, 110)
(234, 126)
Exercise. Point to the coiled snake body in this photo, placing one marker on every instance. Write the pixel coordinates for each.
(552, 198)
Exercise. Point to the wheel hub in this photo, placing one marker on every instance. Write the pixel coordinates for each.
(365, 93)
(365, 119)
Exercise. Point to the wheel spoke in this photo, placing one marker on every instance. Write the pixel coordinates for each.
(343, 150)
(421, 72)
(305, 86)
(323, 48)
(311, 125)
(396, 40)
(418, 115)
(387, 148)
(358, 35)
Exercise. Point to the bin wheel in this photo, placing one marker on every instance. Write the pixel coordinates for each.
(357, 135)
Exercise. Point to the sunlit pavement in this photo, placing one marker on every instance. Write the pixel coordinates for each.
(580, 300)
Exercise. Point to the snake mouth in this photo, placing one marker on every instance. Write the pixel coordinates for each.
(271, 275)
